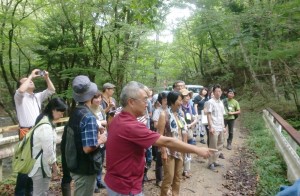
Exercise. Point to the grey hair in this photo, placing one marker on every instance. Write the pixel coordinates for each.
(130, 90)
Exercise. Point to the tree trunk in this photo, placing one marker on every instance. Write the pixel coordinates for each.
(273, 80)
(253, 74)
(216, 48)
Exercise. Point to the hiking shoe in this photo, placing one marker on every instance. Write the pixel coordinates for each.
(96, 190)
(218, 164)
(212, 167)
(221, 156)
(202, 141)
(229, 146)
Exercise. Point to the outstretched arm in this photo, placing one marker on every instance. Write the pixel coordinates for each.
(180, 146)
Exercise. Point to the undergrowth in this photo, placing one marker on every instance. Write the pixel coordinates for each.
(268, 164)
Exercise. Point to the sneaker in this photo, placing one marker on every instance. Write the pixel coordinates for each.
(202, 141)
(212, 167)
(229, 146)
(186, 174)
(96, 190)
(221, 156)
(101, 185)
(218, 164)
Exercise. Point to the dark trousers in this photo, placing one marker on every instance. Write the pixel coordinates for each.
(158, 167)
(230, 124)
(24, 185)
(99, 174)
(207, 135)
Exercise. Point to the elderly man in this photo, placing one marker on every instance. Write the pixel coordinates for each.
(127, 141)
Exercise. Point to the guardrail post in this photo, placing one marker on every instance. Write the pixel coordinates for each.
(1, 169)
(278, 127)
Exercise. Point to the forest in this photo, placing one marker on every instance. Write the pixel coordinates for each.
(251, 45)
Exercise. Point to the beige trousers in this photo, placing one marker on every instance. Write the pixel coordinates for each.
(172, 174)
(216, 141)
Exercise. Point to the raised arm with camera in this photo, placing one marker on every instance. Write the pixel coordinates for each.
(26, 84)
(28, 107)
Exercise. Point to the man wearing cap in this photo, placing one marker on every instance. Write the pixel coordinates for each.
(108, 102)
(86, 137)
(232, 108)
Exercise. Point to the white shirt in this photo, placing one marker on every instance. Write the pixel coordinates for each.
(28, 106)
(156, 114)
(216, 108)
(44, 137)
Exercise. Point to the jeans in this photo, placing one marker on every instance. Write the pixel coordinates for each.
(99, 174)
(230, 124)
(23, 185)
(149, 155)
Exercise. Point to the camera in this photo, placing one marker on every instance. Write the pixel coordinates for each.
(41, 73)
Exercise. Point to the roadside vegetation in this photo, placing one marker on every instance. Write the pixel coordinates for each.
(268, 164)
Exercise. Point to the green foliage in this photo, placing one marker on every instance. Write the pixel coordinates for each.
(268, 164)
(295, 122)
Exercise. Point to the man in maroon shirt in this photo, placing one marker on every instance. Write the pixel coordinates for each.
(127, 141)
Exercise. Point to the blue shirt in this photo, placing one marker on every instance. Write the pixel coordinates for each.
(89, 130)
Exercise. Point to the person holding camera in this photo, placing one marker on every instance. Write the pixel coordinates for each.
(28, 107)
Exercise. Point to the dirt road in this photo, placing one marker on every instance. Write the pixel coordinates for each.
(203, 181)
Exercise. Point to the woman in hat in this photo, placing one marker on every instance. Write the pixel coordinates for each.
(191, 120)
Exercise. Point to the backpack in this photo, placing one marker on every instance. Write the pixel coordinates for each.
(71, 154)
(23, 161)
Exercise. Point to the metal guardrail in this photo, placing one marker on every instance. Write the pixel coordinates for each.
(287, 141)
(7, 144)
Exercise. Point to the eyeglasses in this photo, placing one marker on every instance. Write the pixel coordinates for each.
(145, 100)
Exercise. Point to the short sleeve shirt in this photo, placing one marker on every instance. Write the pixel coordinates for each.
(89, 130)
(28, 106)
(156, 114)
(125, 153)
(216, 108)
(233, 105)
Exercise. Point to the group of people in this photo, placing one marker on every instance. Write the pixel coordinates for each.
(97, 129)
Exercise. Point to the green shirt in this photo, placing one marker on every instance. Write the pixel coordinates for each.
(233, 105)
